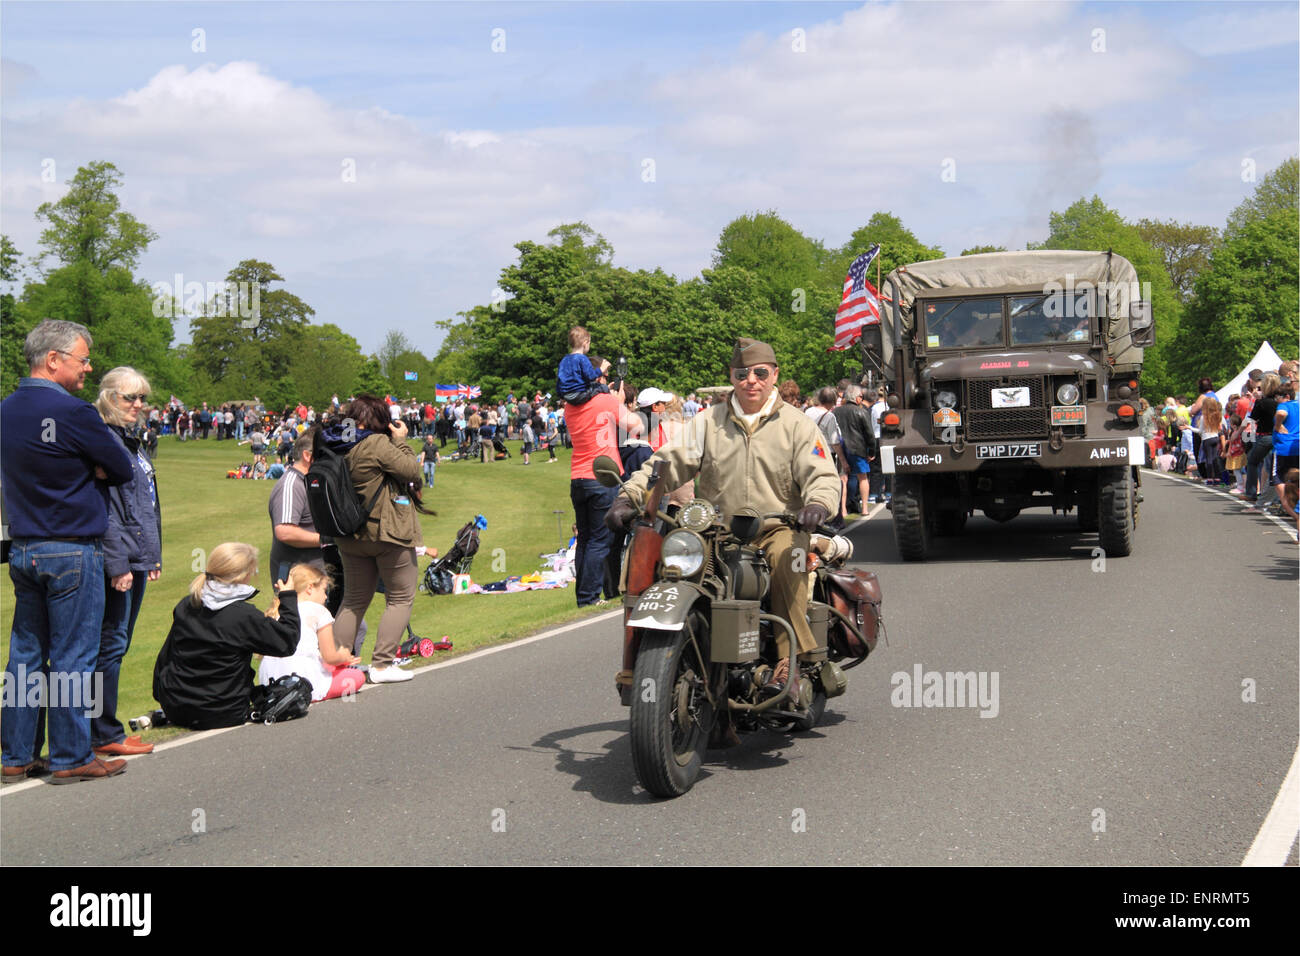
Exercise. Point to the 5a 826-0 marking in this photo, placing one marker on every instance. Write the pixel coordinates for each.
(1032, 450)
(933, 459)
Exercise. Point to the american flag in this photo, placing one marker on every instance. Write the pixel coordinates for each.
(861, 303)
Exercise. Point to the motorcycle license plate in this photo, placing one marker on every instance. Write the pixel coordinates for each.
(658, 607)
(1032, 450)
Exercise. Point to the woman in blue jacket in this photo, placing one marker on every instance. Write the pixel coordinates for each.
(132, 555)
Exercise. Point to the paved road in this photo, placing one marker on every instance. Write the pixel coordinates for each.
(1119, 703)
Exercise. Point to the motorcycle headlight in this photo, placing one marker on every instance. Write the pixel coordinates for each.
(683, 550)
(1067, 394)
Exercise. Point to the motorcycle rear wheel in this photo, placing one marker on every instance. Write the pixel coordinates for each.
(671, 714)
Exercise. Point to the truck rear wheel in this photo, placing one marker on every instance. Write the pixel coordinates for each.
(1001, 515)
(911, 522)
(1116, 510)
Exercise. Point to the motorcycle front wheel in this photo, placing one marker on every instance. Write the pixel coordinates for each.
(671, 713)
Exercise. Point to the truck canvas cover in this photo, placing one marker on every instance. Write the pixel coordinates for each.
(1037, 271)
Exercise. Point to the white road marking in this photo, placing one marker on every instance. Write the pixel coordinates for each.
(1278, 833)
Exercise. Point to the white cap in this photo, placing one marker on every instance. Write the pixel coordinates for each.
(648, 396)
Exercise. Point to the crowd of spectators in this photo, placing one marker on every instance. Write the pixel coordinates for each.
(1244, 443)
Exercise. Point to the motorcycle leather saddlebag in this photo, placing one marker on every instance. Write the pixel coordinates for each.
(856, 595)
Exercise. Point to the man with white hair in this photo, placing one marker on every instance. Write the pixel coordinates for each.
(59, 458)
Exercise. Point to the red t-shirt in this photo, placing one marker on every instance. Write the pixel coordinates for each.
(593, 429)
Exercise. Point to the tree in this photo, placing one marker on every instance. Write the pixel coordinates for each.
(256, 354)
(13, 365)
(1090, 224)
(1276, 192)
(329, 361)
(898, 247)
(395, 345)
(785, 263)
(978, 250)
(1247, 296)
(86, 225)
(1185, 249)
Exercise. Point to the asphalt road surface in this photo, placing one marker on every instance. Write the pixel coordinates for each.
(1141, 714)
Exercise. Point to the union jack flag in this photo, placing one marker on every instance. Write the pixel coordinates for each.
(475, 392)
(861, 303)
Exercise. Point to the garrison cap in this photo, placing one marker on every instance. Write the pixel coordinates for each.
(752, 352)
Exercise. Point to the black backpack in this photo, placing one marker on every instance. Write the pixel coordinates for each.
(336, 508)
(283, 699)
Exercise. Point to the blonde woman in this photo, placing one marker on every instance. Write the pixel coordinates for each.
(132, 554)
(330, 669)
(1211, 426)
(673, 422)
(203, 677)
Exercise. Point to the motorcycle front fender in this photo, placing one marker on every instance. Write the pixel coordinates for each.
(664, 605)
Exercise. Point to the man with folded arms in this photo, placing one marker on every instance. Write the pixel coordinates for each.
(59, 457)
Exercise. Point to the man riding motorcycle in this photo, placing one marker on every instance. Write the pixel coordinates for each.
(754, 453)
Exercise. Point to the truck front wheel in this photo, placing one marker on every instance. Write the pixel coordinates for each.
(911, 522)
(1116, 510)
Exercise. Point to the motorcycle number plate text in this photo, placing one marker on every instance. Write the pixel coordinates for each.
(657, 605)
(1034, 450)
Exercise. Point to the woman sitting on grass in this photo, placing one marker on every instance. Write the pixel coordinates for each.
(203, 677)
(330, 669)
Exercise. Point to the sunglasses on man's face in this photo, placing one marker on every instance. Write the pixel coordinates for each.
(761, 372)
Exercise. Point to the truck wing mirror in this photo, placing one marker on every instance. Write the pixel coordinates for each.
(1141, 323)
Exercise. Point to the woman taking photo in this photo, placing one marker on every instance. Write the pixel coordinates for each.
(132, 554)
(378, 458)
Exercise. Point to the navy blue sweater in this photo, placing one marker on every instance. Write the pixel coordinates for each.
(52, 443)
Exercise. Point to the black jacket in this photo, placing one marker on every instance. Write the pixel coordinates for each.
(203, 677)
(855, 425)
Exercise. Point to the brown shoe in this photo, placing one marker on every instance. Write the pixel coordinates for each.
(19, 774)
(95, 770)
(128, 747)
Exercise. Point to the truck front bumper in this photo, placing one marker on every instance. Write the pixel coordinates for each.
(902, 458)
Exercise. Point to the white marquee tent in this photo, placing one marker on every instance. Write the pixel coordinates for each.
(1265, 359)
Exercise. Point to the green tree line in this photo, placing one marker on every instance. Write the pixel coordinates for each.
(1216, 295)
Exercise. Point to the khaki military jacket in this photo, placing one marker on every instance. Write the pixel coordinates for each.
(782, 465)
(377, 460)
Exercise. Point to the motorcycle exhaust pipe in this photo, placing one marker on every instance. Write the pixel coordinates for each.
(790, 678)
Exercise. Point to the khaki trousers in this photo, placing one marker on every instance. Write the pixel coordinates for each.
(787, 555)
(364, 563)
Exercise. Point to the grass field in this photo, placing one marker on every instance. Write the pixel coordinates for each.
(202, 508)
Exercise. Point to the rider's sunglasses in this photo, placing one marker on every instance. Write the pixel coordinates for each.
(761, 372)
(132, 399)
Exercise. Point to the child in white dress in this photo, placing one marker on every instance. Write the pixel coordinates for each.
(330, 669)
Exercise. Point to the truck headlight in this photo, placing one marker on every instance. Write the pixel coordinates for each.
(1067, 394)
(683, 550)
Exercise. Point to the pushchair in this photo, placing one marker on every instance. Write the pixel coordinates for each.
(438, 575)
(499, 449)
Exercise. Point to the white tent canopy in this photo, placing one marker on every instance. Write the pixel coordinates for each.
(1265, 359)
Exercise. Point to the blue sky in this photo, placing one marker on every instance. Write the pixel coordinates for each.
(237, 150)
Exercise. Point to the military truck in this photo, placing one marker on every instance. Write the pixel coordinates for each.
(1013, 382)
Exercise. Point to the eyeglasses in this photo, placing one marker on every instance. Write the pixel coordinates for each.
(132, 399)
(83, 359)
(761, 372)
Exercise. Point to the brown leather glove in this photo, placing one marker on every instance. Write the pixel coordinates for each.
(810, 516)
(620, 515)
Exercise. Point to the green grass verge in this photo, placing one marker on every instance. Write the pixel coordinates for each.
(202, 508)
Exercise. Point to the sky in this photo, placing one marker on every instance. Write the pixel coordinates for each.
(387, 157)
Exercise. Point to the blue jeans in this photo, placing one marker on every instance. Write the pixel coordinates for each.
(591, 500)
(121, 608)
(58, 609)
(429, 468)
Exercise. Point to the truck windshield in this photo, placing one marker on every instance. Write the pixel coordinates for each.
(1044, 319)
(965, 323)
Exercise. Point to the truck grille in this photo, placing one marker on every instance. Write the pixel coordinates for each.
(984, 422)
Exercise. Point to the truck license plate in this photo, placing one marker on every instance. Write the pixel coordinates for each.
(1034, 450)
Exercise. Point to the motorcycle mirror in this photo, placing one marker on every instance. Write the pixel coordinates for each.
(607, 471)
(745, 527)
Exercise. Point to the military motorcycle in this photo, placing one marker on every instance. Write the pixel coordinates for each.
(700, 651)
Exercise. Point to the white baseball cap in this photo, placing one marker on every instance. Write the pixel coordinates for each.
(648, 396)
